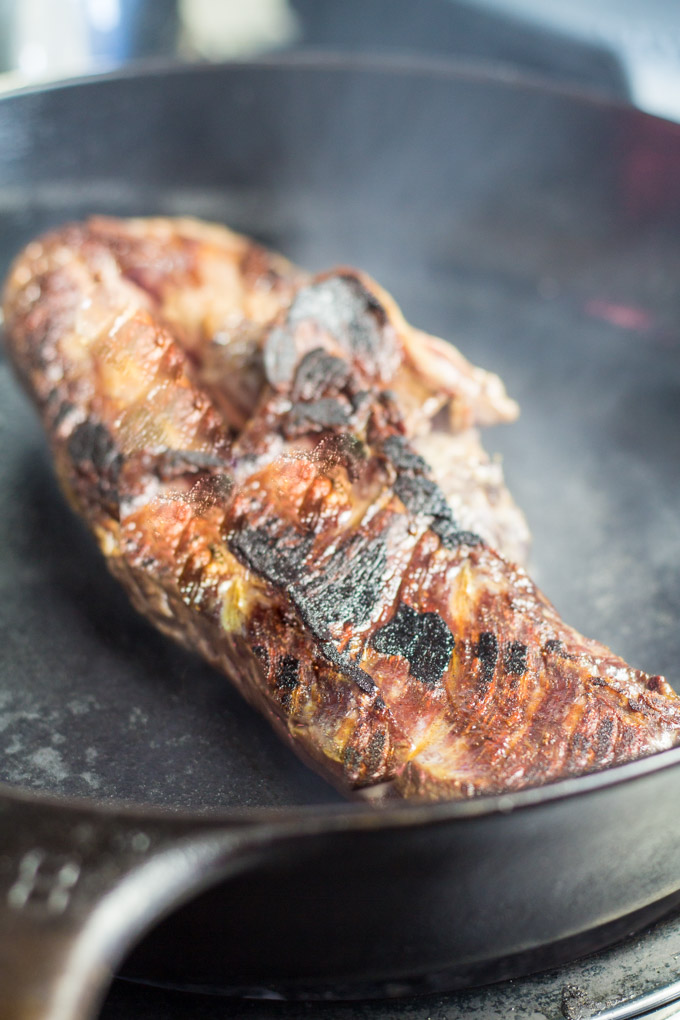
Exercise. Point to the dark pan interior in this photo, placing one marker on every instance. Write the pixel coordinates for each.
(537, 230)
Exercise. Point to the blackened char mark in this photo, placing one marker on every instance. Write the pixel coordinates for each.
(349, 585)
(342, 308)
(278, 557)
(424, 639)
(288, 673)
(402, 457)
(421, 495)
(603, 738)
(348, 667)
(516, 658)
(91, 443)
(320, 373)
(94, 454)
(287, 678)
(486, 650)
(282, 560)
(326, 413)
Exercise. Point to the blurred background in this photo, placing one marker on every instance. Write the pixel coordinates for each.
(629, 49)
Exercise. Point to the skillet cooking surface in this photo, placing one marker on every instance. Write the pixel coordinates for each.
(536, 230)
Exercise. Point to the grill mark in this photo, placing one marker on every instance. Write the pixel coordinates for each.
(486, 650)
(288, 673)
(287, 678)
(319, 372)
(325, 413)
(341, 307)
(603, 737)
(420, 495)
(350, 584)
(423, 639)
(281, 560)
(516, 658)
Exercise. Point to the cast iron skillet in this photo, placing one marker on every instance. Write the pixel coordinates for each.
(538, 229)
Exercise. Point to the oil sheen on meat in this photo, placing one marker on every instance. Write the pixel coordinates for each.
(287, 478)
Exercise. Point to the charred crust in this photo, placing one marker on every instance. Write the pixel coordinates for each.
(287, 678)
(486, 650)
(281, 560)
(288, 673)
(341, 307)
(603, 737)
(348, 667)
(420, 495)
(402, 458)
(95, 457)
(91, 443)
(326, 413)
(423, 639)
(320, 373)
(516, 658)
(350, 584)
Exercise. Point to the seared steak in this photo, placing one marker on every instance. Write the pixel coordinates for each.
(250, 446)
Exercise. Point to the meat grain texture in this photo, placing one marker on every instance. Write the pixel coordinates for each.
(287, 477)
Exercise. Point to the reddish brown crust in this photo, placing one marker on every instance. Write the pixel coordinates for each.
(310, 556)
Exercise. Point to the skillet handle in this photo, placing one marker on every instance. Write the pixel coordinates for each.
(79, 885)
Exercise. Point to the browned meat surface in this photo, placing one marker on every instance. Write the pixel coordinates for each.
(249, 446)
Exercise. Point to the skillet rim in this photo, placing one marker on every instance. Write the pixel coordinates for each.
(395, 814)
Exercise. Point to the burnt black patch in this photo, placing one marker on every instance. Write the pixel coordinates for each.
(402, 457)
(348, 667)
(424, 639)
(320, 373)
(350, 584)
(339, 306)
(603, 737)
(486, 650)
(279, 558)
(423, 496)
(516, 658)
(554, 647)
(451, 536)
(91, 443)
(326, 413)
(288, 674)
(420, 495)
(375, 750)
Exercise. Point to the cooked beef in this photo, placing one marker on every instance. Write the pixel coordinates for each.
(250, 447)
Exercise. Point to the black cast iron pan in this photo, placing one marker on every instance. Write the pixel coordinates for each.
(541, 231)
